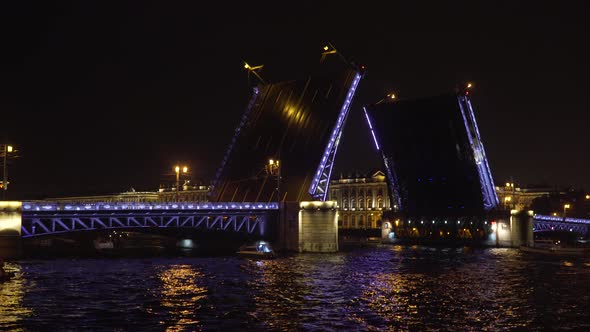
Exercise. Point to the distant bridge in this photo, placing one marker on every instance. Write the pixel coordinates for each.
(551, 223)
(51, 218)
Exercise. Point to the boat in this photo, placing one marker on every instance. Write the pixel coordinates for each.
(555, 248)
(260, 249)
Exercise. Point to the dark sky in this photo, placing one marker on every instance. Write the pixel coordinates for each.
(101, 97)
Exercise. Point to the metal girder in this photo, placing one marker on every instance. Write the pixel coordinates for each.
(481, 161)
(542, 225)
(321, 180)
(52, 223)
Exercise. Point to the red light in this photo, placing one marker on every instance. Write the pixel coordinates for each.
(467, 93)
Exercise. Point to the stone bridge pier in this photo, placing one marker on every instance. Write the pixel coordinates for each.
(10, 229)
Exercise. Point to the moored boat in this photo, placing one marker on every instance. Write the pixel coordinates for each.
(555, 248)
(260, 249)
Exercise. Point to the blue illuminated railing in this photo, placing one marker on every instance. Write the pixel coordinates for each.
(560, 219)
(481, 162)
(321, 180)
(39, 206)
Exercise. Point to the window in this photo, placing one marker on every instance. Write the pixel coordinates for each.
(370, 221)
(380, 203)
(361, 203)
(362, 221)
(369, 203)
(353, 223)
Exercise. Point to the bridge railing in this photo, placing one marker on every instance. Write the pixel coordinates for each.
(560, 219)
(117, 206)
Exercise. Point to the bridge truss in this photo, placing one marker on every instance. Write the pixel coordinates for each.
(47, 219)
(552, 223)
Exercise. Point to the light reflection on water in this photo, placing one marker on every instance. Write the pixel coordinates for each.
(386, 288)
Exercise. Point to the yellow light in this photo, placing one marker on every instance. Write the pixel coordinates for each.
(9, 148)
(567, 206)
(469, 85)
(396, 222)
(271, 162)
(392, 96)
(512, 184)
(326, 48)
(247, 66)
(587, 196)
(177, 169)
(185, 169)
(507, 184)
(554, 213)
(507, 198)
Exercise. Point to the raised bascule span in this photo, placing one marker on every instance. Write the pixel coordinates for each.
(433, 155)
(299, 122)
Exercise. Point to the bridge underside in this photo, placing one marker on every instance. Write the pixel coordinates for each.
(298, 122)
(433, 156)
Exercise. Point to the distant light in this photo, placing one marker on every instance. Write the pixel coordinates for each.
(247, 66)
(391, 95)
(177, 169)
(326, 48)
(9, 148)
(271, 162)
(184, 169)
(469, 85)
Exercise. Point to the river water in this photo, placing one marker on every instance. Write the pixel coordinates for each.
(372, 289)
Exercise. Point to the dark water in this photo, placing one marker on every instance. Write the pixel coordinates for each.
(385, 288)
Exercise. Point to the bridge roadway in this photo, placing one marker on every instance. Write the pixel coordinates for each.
(45, 218)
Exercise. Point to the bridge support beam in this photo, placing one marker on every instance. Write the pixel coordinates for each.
(318, 227)
(10, 229)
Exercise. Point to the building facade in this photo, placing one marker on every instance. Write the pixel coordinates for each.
(188, 193)
(512, 197)
(361, 200)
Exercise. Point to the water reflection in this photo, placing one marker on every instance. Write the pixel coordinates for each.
(182, 296)
(12, 292)
(373, 289)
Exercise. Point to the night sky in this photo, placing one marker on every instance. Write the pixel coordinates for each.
(101, 97)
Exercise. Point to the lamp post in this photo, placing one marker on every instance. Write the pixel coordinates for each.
(6, 150)
(177, 171)
(565, 207)
(275, 169)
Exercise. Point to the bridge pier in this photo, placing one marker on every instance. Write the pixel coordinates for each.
(521, 228)
(308, 227)
(10, 229)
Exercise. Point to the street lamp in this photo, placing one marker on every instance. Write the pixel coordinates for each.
(177, 171)
(254, 70)
(565, 207)
(274, 168)
(5, 151)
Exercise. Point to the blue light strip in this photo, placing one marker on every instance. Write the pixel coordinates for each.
(332, 146)
(560, 219)
(485, 176)
(36, 206)
(371, 127)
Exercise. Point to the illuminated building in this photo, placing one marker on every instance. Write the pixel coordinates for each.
(361, 200)
(189, 193)
(512, 197)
